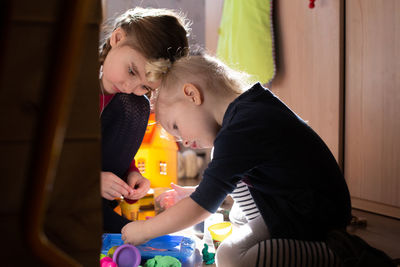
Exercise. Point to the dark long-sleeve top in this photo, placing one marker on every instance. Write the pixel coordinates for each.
(292, 176)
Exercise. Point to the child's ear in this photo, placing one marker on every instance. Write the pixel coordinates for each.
(192, 93)
(117, 36)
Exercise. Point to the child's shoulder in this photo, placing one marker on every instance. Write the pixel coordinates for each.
(255, 92)
(254, 100)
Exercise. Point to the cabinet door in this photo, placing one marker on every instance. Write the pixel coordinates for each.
(372, 105)
(309, 65)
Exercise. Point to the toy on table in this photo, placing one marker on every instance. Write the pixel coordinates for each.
(130, 209)
(111, 251)
(176, 246)
(219, 232)
(121, 255)
(163, 261)
(157, 156)
(208, 258)
(127, 256)
(107, 262)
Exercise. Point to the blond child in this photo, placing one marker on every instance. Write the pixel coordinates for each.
(264, 154)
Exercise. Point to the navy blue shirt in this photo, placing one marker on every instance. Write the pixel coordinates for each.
(292, 176)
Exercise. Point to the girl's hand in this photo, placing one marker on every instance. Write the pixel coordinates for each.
(139, 184)
(113, 187)
(171, 197)
(135, 233)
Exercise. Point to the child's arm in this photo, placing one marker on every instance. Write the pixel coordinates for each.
(178, 217)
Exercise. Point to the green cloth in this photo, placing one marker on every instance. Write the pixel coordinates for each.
(163, 261)
(246, 38)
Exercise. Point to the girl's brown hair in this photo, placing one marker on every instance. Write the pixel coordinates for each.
(161, 35)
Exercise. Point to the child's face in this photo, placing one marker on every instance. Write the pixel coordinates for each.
(124, 72)
(189, 123)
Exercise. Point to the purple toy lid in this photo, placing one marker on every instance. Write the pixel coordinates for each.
(127, 256)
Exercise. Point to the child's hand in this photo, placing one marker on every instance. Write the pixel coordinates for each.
(135, 233)
(113, 187)
(139, 184)
(171, 197)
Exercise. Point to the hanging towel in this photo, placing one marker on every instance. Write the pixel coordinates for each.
(246, 41)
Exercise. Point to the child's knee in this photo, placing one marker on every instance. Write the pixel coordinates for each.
(226, 256)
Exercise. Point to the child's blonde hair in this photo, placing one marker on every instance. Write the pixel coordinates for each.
(161, 35)
(205, 72)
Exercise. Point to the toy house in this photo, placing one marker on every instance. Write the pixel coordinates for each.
(157, 156)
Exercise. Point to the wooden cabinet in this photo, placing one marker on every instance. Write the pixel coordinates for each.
(338, 67)
(309, 55)
(372, 105)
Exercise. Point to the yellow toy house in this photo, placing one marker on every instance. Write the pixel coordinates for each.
(157, 158)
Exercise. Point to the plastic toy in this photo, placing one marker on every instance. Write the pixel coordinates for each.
(219, 232)
(111, 251)
(208, 258)
(127, 256)
(179, 247)
(129, 210)
(107, 262)
(157, 155)
(176, 246)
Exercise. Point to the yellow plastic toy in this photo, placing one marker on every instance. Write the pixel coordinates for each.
(130, 210)
(157, 158)
(219, 232)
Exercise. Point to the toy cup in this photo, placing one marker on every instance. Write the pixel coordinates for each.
(161, 204)
(129, 210)
(219, 232)
(127, 256)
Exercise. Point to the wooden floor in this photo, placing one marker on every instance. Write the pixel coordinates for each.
(380, 232)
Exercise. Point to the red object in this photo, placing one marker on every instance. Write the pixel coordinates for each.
(130, 201)
(312, 4)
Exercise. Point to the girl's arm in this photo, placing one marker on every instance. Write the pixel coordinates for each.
(178, 217)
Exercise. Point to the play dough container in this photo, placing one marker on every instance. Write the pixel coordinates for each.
(127, 256)
(219, 232)
(129, 210)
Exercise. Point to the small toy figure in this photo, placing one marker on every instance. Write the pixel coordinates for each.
(208, 258)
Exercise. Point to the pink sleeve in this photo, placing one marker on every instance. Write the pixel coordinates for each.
(133, 167)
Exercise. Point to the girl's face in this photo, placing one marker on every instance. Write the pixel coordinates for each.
(191, 124)
(124, 69)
